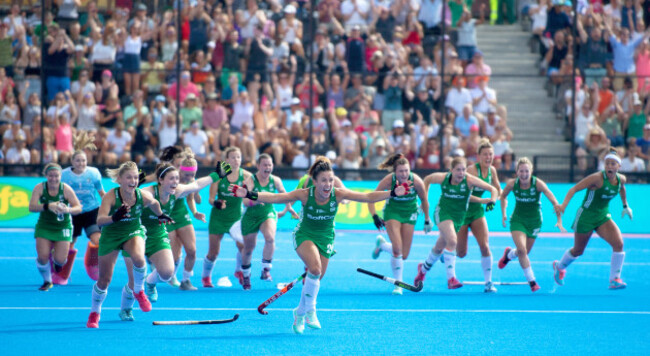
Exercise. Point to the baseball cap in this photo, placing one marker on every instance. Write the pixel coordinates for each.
(341, 112)
(161, 98)
(346, 123)
(398, 123)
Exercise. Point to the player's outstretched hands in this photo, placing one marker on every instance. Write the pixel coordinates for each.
(223, 169)
(120, 213)
(400, 190)
(627, 211)
(242, 192)
(379, 222)
(490, 205)
(164, 219)
(219, 204)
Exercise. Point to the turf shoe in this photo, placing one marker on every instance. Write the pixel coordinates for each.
(534, 287)
(143, 301)
(93, 320)
(298, 322)
(504, 260)
(617, 283)
(558, 274)
(489, 288)
(187, 285)
(311, 320)
(240, 277)
(174, 282)
(397, 290)
(377, 250)
(246, 282)
(420, 276)
(266, 275)
(46, 286)
(127, 315)
(453, 283)
(207, 282)
(151, 291)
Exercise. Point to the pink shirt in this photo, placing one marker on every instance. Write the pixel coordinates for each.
(190, 88)
(473, 70)
(643, 70)
(212, 119)
(64, 138)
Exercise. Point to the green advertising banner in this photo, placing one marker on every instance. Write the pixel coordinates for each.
(15, 193)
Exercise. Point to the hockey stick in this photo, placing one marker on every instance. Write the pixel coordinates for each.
(280, 293)
(393, 281)
(197, 322)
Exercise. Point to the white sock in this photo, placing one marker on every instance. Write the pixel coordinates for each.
(246, 270)
(97, 299)
(450, 263)
(309, 294)
(45, 271)
(177, 264)
(267, 264)
(139, 274)
(238, 262)
(207, 267)
(617, 265)
(187, 275)
(486, 263)
(153, 277)
(566, 260)
(512, 255)
(397, 264)
(386, 247)
(528, 273)
(127, 298)
(431, 259)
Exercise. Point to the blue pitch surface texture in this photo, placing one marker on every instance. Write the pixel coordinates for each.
(358, 313)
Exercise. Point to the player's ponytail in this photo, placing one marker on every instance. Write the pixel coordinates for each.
(483, 143)
(188, 158)
(392, 162)
(83, 141)
(322, 164)
(118, 172)
(169, 153)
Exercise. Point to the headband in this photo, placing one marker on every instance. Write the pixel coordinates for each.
(189, 169)
(165, 170)
(614, 157)
(51, 168)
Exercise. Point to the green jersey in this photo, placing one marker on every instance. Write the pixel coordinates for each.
(454, 201)
(150, 219)
(48, 218)
(262, 209)
(475, 210)
(317, 223)
(598, 199)
(528, 204)
(407, 203)
(116, 234)
(233, 210)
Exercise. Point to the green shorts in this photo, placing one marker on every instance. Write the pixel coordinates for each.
(587, 221)
(403, 217)
(179, 222)
(474, 212)
(153, 244)
(441, 216)
(53, 234)
(531, 230)
(250, 224)
(109, 243)
(324, 244)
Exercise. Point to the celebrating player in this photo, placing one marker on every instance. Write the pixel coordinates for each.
(55, 201)
(314, 234)
(400, 213)
(594, 214)
(456, 186)
(526, 219)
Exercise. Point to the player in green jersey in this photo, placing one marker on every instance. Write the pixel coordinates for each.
(56, 202)
(260, 217)
(119, 215)
(456, 186)
(314, 234)
(225, 217)
(400, 214)
(593, 215)
(157, 245)
(475, 216)
(526, 219)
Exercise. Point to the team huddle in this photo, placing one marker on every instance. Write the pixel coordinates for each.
(153, 224)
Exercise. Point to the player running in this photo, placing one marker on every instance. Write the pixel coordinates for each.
(119, 215)
(225, 217)
(55, 201)
(526, 219)
(157, 248)
(475, 216)
(400, 214)
(86, 183)
(260, 217)
(456, 186)
(594, 214)
(314, 235)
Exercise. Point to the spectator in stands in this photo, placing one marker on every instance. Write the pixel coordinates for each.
(355, 14)
(63, 135)
(631, 162)
(560, 49)
(82, 86)
(186, 87)
(429, 156)
(103, 53)
(258, 51)
(61, 105)
(397, 136)
(585, 121)
(606, 96)
(483, 97)
(214, 114)
(92, 19)
(489, 123)
(457, 97)
(354, 94)
(111, 113)
(31, 108)
(18, 154)
(355, 52)
(197, 140)
(594, 54)
(158, 111)
(596, 144)
(120, 141)
(623, 50)
(190, 112)
(644, 144)
(464, 122)
(10, 110)
(627, 95)
(309, 85)
(29, 62)
(612, 122)
(557, 19)
(88, 115)
(144, 136)
(168, 133)
(11, 134)
(502, 151)
(393, 92)
(637, 120)
(467, 44)
(58, 47)
(153, 74)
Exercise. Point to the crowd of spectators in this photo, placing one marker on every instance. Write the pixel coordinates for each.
(361, 81)
(612, 77)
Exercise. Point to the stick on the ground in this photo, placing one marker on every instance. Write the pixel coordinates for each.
(280, 293)
(393, 281)
(197, 322)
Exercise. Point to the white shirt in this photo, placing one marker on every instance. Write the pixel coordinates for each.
(87, 118)
(583, 124)
(347, 8)
(15, 156)
(632, 166)
(88, 88)
(196, 142)
(133, 45)
(167, 136)
(248, 31)
(119, 143)
(539, 18)
(483, 105)
(456, 99)
(467, 33)
(242, 113)
(101, 52)
(55, 112)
